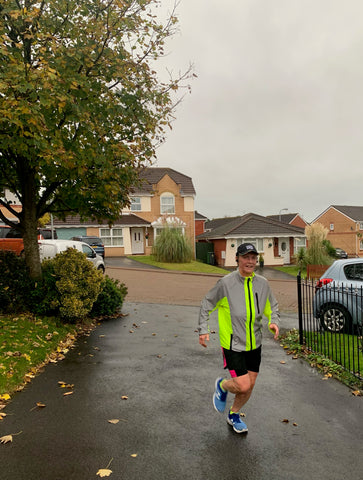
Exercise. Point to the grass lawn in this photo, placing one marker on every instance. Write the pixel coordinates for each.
(193, 266)
(342, 348)
(291, 270)
(26, 344)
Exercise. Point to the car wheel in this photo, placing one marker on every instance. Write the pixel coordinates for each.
(335, 318)
(102, 268)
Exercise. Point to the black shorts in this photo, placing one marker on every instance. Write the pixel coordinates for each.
(239, 363)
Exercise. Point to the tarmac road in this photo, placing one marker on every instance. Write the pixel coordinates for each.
(152, 356)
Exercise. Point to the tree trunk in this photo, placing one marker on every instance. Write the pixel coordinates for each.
(29, 223)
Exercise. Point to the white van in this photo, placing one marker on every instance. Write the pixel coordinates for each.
(50, 248)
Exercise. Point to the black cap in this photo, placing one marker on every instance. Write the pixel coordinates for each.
(245, 248)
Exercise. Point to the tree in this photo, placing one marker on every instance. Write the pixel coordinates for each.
(81, 107)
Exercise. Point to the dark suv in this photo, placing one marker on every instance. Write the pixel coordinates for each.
(94, 242)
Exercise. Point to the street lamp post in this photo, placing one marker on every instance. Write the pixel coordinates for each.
(282, 210)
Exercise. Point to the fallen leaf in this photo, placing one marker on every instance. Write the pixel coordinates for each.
(242, 414)
(283, 362)
(131, 331)
(285, 420)
(114, 421)
(153, 334)
(295, 424)
(357, 393)
(6, 439)
(5, 396)
(2, 415)
(49, 336)
(104, 472)
(134, 455)
(124, 397)
(41, 405)
(295, 357)
(159, 356)
(67, 393)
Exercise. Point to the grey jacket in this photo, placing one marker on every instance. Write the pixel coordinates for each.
(241, 304)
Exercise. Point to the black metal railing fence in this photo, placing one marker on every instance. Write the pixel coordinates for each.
(330, 323)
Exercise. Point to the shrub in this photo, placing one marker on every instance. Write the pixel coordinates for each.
(15, 283)
(69, 287)
(172, 246)
(316, 252)
(110, 299)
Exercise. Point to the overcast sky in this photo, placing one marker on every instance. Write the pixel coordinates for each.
(275, 117)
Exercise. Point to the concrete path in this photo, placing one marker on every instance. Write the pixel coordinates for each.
(147, 370)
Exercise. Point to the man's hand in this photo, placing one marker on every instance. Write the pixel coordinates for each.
(275, 329)
(204, 338)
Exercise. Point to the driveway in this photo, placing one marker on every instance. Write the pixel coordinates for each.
(146, 372)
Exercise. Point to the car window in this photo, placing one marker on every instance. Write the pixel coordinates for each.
(354, 271)
(88, 251)
(3, 232)
(12, 233)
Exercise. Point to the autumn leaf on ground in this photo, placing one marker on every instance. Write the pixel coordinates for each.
(282, 362)
(134, 455)
(67, 393)
(124, 397)
(357, 393)
(285, 420)
(114, 421)
(295, 424)
(8, 438)
(105, 472)
(5, 396)
(2, 415)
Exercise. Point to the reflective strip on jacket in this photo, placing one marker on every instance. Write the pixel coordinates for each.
(241, 303)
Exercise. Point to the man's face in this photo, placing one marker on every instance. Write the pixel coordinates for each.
(247, 264)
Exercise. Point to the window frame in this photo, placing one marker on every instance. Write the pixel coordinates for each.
(135, 204)
(170, 207)
(108, 240)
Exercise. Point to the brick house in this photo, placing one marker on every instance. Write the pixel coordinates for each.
(166, 197)
(199, 221)
(345, 227)
(277, 241)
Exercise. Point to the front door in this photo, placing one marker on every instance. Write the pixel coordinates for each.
(284, 249)
(137, 240)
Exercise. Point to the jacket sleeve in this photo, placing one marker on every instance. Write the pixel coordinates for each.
(272, 309)
(208, 305)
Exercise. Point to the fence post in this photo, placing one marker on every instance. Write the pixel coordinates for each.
(299, 301)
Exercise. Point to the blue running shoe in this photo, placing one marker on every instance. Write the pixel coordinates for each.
(234, 419)
(219, 397)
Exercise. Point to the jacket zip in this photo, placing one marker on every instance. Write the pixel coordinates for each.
(250, 308)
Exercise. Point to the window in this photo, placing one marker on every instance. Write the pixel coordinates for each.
(257, 242)
(167, 203)
(354, 271)
(332, 226)
(299, 243)
(88, 251)
(135, 204)
(112, 237)
(360, 225)
(361, 245)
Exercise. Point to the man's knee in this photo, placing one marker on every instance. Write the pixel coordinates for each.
(243, 384)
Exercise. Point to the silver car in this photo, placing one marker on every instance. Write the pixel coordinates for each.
(338, 300)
